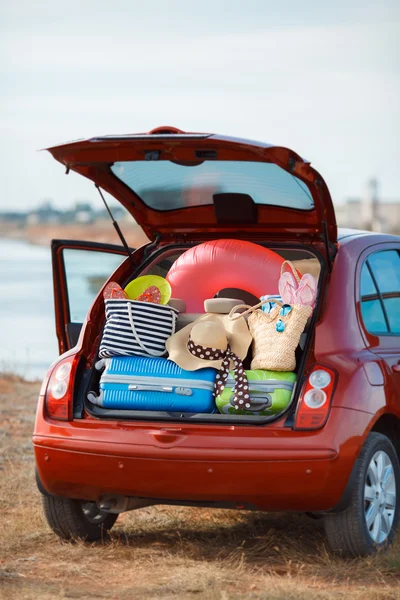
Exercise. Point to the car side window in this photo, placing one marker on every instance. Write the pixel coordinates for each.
(380, 293)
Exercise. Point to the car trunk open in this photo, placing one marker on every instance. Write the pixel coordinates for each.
(160, 263)
(183, 189)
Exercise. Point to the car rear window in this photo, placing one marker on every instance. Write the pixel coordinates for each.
(163, 185)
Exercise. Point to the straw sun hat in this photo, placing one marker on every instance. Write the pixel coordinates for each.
(206, 335)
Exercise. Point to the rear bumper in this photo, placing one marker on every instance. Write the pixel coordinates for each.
(273, 484)
(269, 468)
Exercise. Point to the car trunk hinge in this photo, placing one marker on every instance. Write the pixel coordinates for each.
(150, 247)
(329, 250)
(326, 244)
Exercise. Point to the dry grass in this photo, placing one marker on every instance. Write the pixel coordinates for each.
(164, 552)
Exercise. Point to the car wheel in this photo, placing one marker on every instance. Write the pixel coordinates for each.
(369, 523)
(71, 519)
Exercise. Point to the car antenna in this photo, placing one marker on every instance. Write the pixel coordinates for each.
(116, 227)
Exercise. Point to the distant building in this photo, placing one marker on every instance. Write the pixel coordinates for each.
(118, 212)
(45, 213)
(18, 218)
(83, 213)
(370, 212)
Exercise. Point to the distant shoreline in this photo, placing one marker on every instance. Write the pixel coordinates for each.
(100, 231)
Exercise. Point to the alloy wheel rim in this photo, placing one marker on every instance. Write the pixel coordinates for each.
(380, 497)
(93, 514)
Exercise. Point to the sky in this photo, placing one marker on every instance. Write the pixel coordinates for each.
(321, 78)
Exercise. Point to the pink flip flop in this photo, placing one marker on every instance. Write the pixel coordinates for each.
(296, 290)
(287, 288)
(307, 291)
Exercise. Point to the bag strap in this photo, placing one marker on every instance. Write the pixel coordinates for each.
(294, 271)
(251, 309)
(139, 341)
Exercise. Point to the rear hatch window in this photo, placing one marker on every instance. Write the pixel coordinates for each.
(165, 185)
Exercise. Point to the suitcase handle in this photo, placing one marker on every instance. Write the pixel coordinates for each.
(150, 388)
(256, 404)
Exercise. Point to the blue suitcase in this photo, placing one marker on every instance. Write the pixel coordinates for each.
(156, 384)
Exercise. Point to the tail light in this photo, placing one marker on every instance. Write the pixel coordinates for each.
(315, 399)
(59, 393)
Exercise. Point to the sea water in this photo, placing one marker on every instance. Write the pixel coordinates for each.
(28, 343)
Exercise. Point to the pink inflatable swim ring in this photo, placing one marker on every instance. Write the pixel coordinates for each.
(204, 270)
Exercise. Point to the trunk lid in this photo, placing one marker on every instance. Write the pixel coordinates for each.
(189, 186)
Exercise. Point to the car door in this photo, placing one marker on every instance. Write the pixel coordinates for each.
(380, 309)
(79, 271)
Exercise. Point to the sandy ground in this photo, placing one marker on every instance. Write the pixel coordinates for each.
(163, 552)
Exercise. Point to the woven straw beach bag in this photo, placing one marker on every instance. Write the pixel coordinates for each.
(276, 334)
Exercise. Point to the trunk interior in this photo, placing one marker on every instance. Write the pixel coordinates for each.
(304, 259)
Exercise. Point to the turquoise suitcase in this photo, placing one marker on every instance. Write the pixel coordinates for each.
(154, 384)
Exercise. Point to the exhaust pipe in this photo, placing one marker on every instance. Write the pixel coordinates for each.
(116, 503)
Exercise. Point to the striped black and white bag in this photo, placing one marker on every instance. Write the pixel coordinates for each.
(136, 328)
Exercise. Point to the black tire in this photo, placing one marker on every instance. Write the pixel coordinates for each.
(77, 519)
(347, 532)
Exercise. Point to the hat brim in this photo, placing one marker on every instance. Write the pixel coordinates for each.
(237, 334)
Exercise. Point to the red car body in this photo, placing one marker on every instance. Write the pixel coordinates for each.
(273, 467)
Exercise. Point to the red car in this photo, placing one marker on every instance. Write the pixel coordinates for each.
(337, 457)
